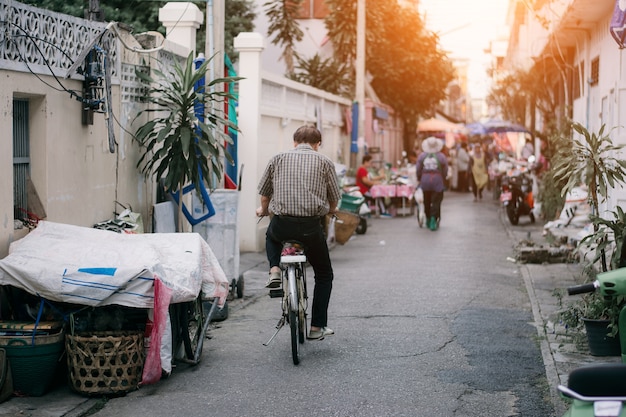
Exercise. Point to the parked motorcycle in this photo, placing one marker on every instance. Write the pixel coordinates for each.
(516, 193)
(599, 390)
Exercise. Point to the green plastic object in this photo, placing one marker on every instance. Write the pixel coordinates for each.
(33, 366)
(613, 282)
(351, 203)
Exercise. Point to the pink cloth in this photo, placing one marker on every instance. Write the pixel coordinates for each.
(378, 191)
(383, 191)
(152, 365)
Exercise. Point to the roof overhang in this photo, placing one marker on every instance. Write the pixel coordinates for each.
(578, 21)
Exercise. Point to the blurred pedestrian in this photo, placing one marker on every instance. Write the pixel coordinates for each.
(528, 150)
(462, 167)
(479, 174)
(431, 172)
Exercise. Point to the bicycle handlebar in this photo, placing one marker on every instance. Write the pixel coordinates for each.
(582, 289)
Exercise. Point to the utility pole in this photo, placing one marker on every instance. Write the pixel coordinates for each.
(360, 72)
(214, 43)
(93, 11)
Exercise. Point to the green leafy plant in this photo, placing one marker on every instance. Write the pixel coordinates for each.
(608, 237)
(178, 147)
(326, 74)
(283, 22)
(591, 161)
(591, 306)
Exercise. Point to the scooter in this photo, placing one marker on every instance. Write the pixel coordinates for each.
(516, 194)
(600, 390)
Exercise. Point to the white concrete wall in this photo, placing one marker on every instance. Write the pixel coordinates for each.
(271, 108)
(76, 177)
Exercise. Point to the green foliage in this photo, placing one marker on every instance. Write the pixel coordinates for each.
(325, 74)
(520, 90)
(590, 306)
(239, 18)
(173, 149)
(143, 16)
(552, 201)
(282, 15)
(608, 235)
(409, 71)
(550, 197)
(591, 161)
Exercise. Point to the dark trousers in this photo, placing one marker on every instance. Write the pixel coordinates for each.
(462, 182)
(432, 204)
(310, 233)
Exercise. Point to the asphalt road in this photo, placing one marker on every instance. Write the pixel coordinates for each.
(427, 324)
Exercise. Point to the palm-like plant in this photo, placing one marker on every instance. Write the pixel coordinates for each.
(282, 15)
(592, 161)
(179, 147)
(325, 74)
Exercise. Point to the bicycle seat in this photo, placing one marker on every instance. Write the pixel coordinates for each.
(602, 380)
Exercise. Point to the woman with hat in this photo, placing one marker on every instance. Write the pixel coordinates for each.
(431, 170)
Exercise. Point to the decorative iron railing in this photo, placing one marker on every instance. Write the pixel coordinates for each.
(47, 43)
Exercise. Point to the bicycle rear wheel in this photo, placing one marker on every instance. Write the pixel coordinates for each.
(293, 307)
(302, 305)
(294, 321)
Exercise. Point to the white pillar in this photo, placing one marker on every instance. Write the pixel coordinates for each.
(181, 21)
(249, 45)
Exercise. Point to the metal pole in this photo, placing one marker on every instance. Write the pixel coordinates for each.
(93, 12)
(360, 73)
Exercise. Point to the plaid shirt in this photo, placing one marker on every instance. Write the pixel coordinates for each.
(300, 183)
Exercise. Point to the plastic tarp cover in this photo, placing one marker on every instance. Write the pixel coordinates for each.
(94, 267)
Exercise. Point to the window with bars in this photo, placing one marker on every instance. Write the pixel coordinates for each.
(577, 75)
(594, 77)
(21, 158)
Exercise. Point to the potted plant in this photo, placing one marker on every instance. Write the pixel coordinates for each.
(180, 146)
(592, 319)
(592, 161)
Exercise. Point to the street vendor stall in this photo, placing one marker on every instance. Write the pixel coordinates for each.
(65, 265)
(401, 196)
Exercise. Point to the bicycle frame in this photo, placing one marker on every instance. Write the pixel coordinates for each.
(294, 306)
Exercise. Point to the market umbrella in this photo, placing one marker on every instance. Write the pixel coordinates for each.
(499, 126)
(476, 128)
(438, 125)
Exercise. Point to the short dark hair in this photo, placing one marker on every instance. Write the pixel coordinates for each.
(307, 134)
(366, 158)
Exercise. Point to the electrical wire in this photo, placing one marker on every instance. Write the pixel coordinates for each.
(25, 61)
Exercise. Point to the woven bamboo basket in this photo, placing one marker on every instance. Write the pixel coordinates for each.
(105, 363)
(345, 226)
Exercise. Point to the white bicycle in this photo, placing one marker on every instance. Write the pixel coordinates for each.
(294, 296)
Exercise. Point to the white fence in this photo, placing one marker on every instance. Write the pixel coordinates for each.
(271, 108)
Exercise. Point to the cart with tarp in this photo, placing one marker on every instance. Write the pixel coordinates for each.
(123, 306)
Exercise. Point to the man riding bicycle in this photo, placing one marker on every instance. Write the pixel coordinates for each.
(299, 187)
